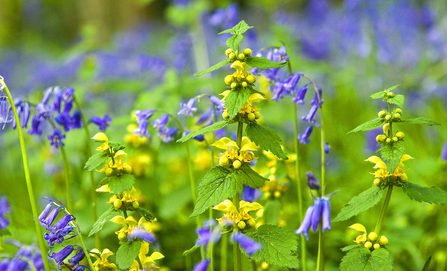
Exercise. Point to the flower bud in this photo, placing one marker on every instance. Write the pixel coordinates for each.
(368, 244)
(388, 140)
(247, 51)
(372, 236)
(233, 85)
(380, 138)
(117, 203)
(225, 115)
(383, 240)
(264, 265)
(127, 168)
(403, 177)
(390, 95)
(122, 236)
(241, 225)
(228, 51)
(223, 161)
(244, 84)
(382, 113)
(228, 79)
(397, 116)
(251, 116)
(377, 181)
(386, 128)
(395, 139)
(237, 164)
(399, 111)
(376, 246)
(251, 79)
(100, 137)
(232, 56)
(241, 56)
(251, 222)
(360, 239)
(387, 117)
(267, 194)
(257, 115)
(135, 204)
(108, 172)
(400, 135)
(277, 194)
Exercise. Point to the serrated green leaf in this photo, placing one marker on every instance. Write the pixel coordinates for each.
(231, 30)
(116, 146)
(266, 138)
(398, 100)
(263, 63)
(4, 232)
(272, 212)
(214, 127)
(95, 161)
(361, 259)
(233, 42)
(240, 28)
(235, 100)
(432, 195)
(391, 88)
(348, 248)
(369, 125)
(119, 184)
(279, 246)
(420, 120)
(217, 185)
(146, 214)
(247, 176)
(360, 203)
(127, 253)
(391, 153)
(213, 68)
(106, 216)
(378, 95)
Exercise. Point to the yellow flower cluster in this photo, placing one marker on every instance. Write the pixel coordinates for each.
(371, 240)
(102, 262)
(116, 165)
(233, 154)
(147, 262)
(382, 173)
(127, 199)
(241, 218)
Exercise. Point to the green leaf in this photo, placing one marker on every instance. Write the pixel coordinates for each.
(397, 100)
(391, 88)
(420, 120)
(360, 203)
(240, 28)
(217, 185)
(266, 138)
(228, 31)
(215, 126)
(279, 246)
(272, 212)
(348, 248)
(116, 146)
(106, 216)
(419, 193)
(392, 154)
(105, 180)
(361, 259)
(427, 264)
(213, 68)
(95, 161)
(247, 176)
(4, 232)
(378, 95)
(233, 42)
(263, 63)
(127, 253)
(369, 125)
(119, 184)
(235, 100)
(146, 214)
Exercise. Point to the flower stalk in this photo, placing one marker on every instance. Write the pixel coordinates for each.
(236, 199)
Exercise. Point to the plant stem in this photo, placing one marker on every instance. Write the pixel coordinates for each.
(223, 254)
(87, 255)
(382, 212)
(67, 179)
(236, 200)
(28, 178)
(92, 178)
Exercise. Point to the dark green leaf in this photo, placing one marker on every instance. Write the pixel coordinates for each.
(279, 246)
(392, 154)
(116, 146)
(146, 214)
(266, 138)
(348, 248)
(4, 232)
(127, 253)
(95, 161)
(272, 212)
(263, 63)
(247, 176)
(213, 68)
(361, 259)
(235, 100)
(105, 180)
(217, 185)
(419, 193)
(106, 216)
(397, 100)
(215, 126)
(360, 203)
(369, 125)
(119, 184)
(420, 120)
(233, 42)
(427, 264)
(378, 95)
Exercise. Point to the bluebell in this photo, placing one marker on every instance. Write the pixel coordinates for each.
(248, 244)
(304, 138)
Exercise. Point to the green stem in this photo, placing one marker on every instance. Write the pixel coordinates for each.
(236, 200)
(67, 179)
(223, 254)
(87, 255)
(92, 178)
(28, 178)
(382, 212)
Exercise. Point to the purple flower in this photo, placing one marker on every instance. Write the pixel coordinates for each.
(199, 138)
(167, 134)
(312, 181)
(321, 210)
(327, 148)
(23, 112)
(207, 235)
(251, 194)
(278, 91)
(46, 218)
(5, 112)
(217, 103)
(444, 152)
(102, 123)
(56, 138)
(188, 109)
(4, 208)
(142, 234)
(77, 257)
(310, 117)
(248, 244)
(202, 265)
(81, 268)
(160, 123)
(317, 100)
(291, 82)
(142, 120)
(60, 256)
(35, 126)
(206, 115)
(299, 98)
(304, 138)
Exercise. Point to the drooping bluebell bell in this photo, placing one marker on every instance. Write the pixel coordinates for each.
(310, 117)
(304, 138)
(5, 114)
(167, 134)
(4, 209)
(43, 109)
(160, 122)
(60, 256)
(217, 103)
(206, 115)
(251, 194)
(35, 126)
(299, 98)
(74, 261)
(318, 100)
(142, 234)
(23, 112)
(202, 265)
(61, 230)
(312, 181)
(56, 138)
(210, 232)
(188, 109)
(142, 120)
(248, 244)
(444, 152)
(102, 123)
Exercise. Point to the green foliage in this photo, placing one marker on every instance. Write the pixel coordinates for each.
(427, 264)
(238, 29)
(213, 68)
(362, 259)
(266, 138)
(234, 41)
(106, 216)
(247, 176)
(215, 126)
(96, 160)
(272, 212)
(360, 203)
(116, 146)
(378, 95)
(217, 185)
(126, 254)
(279, 246)
(420, 120)
(263, 63)
(146, 214)
(235, 100)
(369, 125)
(430, 195)
(4, 232)
(349, 248)
(392, 154)
(397, 100)
(119, 184)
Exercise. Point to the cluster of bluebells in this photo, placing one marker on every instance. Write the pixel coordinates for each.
(6, 114)
(23, 259)
(166, 134)
(59, 232)
(4, 209)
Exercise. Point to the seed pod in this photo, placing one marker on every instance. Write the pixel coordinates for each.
(232, 56)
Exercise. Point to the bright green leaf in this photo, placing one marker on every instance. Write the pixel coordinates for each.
(4, 232)
(119, 184)
(228, 31)
(420, 120)
(369, 125)
(430, 195)
(240, 28)
(247, 176)
(106, 216)
(392, 154)
(378, 95)
(397, 100)
(391, 88)
(215, 126)
(360, 203)
(213, 68)
(233, 42)
(348, 248)
(127, 253)
(146, 214)
(116, 146)
(235, 100)
(266, 138)
(263, 63)
(95, 161)
(361, 259)
(279, 246)
(272, 212)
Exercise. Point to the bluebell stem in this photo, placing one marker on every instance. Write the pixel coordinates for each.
(299, 98)
(312, 181)
(4, 209)
(248, 244)
(444, 152)
(142, 120)
(310, 117)
(102, 123)
(304, 138)
(188, 109)
(318, 100)
(56, 138)
(142, 234)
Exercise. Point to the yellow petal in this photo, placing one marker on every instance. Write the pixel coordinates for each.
(221, 143)
(144, 249)
(119, 155)
(105, 254)
(246, 207)
(374, 159)
(100, 137)
(405, 157)
(156, 256)
(255, 97)
(249, 147)
(224, 206)
(104, 188)
(358, 227)
(131, 221)
(238, 66)
(225, 93)
(118, 219)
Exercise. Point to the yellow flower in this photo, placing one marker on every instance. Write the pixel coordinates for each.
(129, 224)
(233, 152)
(134, 139)
(241, 69)
(148, 263)
(101, 262)
(232, 214)
(382, 168)
(361, 239)
(248, 107)
(101, 137)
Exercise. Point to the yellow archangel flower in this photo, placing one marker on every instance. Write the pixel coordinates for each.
(147, 262)
(248, 107)
(129, 224)
(382, 168)
(361, 239)
(101, 137)
(241, 69)
(233, 152)
(118, 165)
(101, 262)
(232, 214)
